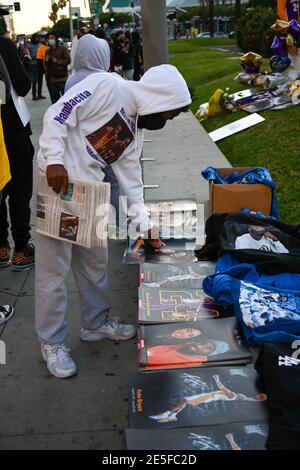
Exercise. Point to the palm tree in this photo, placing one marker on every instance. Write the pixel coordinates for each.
(55, 7)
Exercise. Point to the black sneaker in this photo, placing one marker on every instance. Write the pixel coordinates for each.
(6, 312)
(23, 260)
(4, 256)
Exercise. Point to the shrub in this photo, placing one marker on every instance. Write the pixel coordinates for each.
(253, 31)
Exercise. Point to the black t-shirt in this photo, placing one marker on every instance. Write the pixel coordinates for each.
(12, 124)
(280, 376)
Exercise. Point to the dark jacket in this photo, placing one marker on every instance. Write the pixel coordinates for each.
(63, 57)
(123, 54)
(20, 80)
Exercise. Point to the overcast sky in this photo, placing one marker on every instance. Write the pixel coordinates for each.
(34, 14)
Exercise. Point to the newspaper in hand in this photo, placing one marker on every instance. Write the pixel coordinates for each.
(78, 217)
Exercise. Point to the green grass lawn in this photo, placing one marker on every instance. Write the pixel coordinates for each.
(273, 144)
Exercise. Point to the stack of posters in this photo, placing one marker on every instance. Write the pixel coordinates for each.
(192, 344)
(240, 436)
(195, 397)
(163, 305)
(200, 404)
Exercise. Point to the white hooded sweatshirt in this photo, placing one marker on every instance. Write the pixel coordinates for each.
(95, 123)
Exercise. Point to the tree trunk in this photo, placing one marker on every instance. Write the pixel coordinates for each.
(211, 18)
(237, 9)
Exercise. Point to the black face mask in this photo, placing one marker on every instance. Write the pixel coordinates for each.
(152, 122)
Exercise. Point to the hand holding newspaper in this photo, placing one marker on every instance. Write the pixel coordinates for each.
(78, 217)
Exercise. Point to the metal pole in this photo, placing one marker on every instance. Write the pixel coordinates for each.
(71, 21)
(155, 32)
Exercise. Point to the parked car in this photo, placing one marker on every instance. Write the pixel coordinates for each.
(204, 35)
(221, 35)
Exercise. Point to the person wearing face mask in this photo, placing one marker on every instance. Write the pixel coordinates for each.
(73, 147)
(57, 59)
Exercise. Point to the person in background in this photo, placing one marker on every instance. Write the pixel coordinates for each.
(123, 55)
(57, 59)
(20, 153)
(80, 32)
(118, 52)
(111, 41)
(78, 35)
(6, 311)
(40, 57)
(23, 51)
(33, 48)
(101, 34)
(128, 59)
(137, 56)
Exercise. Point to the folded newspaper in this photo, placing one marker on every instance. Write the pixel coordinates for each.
(79, 217)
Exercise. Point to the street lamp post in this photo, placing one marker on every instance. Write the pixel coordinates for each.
(155, 32)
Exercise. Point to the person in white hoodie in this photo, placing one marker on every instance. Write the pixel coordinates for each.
(75, 146)
(93, 56)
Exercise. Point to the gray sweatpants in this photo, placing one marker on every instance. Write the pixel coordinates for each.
(54, 259)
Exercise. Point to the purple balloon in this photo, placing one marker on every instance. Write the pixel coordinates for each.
(295, 28)
(279, 46)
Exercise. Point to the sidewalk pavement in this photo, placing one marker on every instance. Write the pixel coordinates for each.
(89, 411)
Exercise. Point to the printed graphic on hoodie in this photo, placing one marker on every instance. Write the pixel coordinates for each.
(112, 139)
(261, 307)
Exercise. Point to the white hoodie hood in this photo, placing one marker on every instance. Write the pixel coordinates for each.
(161, 89)
(95, 123)
(92, 56)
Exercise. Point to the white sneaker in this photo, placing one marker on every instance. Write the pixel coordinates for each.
(59, 362)
(6, 312)
(112, 329)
